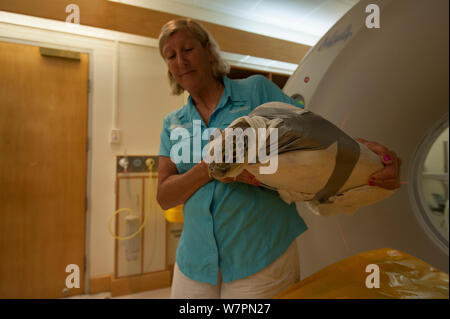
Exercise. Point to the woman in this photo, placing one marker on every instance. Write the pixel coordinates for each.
(238, 239)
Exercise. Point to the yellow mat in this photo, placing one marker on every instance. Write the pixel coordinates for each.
(400, 276)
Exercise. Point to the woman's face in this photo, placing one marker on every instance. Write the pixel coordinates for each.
(188, 61)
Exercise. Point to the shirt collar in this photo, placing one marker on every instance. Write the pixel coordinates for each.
(233, 91)
(230, 92)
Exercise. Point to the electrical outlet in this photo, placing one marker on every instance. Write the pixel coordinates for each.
(115, 136)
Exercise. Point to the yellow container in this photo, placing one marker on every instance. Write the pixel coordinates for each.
(174, 214)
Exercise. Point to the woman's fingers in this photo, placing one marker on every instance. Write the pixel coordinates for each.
(389, 176)
(227, 180)
(247, 178)
(392, 183)
(374, 146)
(244, 177)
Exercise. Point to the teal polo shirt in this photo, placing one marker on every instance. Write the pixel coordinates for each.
(237, 228)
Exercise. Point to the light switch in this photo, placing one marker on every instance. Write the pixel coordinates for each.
(115, 136)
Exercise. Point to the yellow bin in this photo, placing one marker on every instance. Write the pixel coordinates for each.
(174, 214)
(399, 276)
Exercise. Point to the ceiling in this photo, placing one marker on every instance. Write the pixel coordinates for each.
(300, 21)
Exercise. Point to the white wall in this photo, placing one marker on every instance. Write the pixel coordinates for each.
(144, 99)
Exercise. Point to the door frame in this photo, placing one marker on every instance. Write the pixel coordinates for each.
(87, 268)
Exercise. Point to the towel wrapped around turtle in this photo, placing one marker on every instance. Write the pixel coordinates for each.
(317, 162)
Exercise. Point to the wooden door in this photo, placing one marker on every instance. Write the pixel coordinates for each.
(43, 131)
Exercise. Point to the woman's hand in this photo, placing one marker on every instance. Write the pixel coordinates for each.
(245, 177)
(389, 177)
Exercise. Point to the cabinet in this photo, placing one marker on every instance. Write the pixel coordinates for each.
(241, 73)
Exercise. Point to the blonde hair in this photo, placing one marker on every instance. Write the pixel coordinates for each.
(219, 66)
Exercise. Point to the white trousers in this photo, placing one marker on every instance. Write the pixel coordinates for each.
(269, 282)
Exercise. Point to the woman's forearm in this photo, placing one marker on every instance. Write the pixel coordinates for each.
(178, 188)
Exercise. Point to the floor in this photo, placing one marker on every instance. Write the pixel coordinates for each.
(163, 293)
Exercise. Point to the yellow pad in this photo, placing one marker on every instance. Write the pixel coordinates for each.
(400, 276)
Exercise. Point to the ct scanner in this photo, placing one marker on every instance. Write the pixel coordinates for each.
(386, 84)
